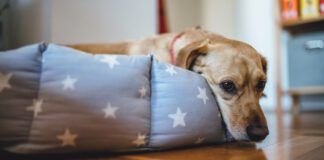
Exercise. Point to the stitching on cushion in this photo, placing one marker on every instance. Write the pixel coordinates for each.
(151, 86)
(41, 49)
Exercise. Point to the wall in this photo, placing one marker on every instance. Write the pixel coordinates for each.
(80, 21)
(4, 27)
(286, 99)
(183, 14)
(28, 22)
(213, 15)
(255, 24)
(98, 21)
(218, 16)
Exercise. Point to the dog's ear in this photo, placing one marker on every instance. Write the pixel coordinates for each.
(264, 64)
(190, 52)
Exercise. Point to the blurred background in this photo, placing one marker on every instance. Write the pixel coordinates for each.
(278, 29)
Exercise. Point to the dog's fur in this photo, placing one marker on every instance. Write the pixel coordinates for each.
(216, 58)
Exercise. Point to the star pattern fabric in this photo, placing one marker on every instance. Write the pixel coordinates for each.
(183, 111)
(178, 118)
(110, 111)
(142, 91)
(111, 60)
(67, 138)
(140, 140)
(36, 107)
(170, 69)
(4, 81)
(202, 95)
(69, 83)
(200, 140)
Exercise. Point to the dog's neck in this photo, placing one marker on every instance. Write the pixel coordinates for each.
(172, 47)
(180, 42)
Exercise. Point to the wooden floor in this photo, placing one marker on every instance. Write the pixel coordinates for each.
(290, 137)
(298, 138)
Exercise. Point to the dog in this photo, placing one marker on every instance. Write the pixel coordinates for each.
(235, 71)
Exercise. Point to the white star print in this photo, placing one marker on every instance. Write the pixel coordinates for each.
(142, 92)
(202, 94)
(200, 140)
(110, 60)
(178, 118)
(140, 140)
(36, 107)
(68, 83)
(67, 138)
(170, 69)
(4, 81)
(110, 111)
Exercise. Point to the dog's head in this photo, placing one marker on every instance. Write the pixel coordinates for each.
(236, 73)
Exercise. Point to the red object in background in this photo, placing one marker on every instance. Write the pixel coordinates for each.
(321, 6)
(163, 26)
(289, 9)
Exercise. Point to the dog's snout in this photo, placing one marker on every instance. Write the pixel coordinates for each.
(256, 119)
(257, 132)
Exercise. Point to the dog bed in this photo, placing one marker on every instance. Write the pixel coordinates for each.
(54, 99)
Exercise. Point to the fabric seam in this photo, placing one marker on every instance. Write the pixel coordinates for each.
(151, 108)
(41, 48)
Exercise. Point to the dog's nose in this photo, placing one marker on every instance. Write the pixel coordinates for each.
(257, 132)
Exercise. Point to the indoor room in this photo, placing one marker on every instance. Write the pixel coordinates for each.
(161, 79)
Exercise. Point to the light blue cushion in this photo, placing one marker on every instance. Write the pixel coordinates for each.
(184, 111)
(19, 82)
(61, 100)
(76, 89)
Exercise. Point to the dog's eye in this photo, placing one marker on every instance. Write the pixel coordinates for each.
(260, 86)
(199, 72)
(228, 86)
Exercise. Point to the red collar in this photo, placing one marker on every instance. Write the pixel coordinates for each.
(173, 61)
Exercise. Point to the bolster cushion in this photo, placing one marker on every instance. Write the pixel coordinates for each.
(55, 99)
